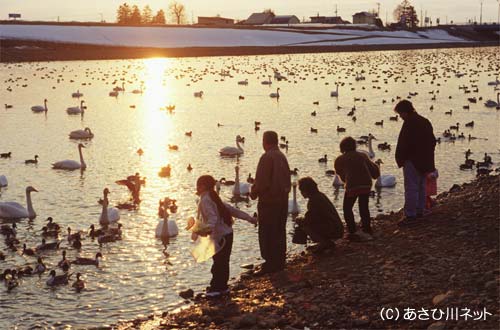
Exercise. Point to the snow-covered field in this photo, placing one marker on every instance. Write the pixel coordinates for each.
(181, 37)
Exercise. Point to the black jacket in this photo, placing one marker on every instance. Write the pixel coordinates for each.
(416, 143)
(322, 216)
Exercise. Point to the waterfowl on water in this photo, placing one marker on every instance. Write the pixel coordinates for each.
(13, 210)
(32, 161)
(71, 164)
(55, 280)
(88, 261)
(79, 284)
(323, 159)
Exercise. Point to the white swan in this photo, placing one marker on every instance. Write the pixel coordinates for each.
(337, 181)
(3, 181)
(81, 134)
(76, 110)
(166, 227)
(335, 93)
(13, 210)
(240, 188)
(40, 108)
(384, 180)
(370, 153)
(275, 95)
(108, 215)
(493, 104)
(232, 151)
(71, 164)
(293, 206)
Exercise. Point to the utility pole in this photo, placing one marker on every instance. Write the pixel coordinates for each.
(481, 14)
(102, 18)
(386, 17)
(378, 9)
(336, 11)
(498, 15)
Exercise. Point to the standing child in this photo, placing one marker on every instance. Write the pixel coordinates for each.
(218, 217)
(430, 189)
(356, 171)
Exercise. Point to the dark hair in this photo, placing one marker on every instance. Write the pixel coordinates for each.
(404, 106)
(308, 185)
(270, 137)
(347, 144)
(209, 182)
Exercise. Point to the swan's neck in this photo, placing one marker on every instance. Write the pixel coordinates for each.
(337, 89)
(238, 145)
(294, 194)
(45, 105)
(104, 213)
(82, 162)
(236, 189)
(31, 211)
(370, 149)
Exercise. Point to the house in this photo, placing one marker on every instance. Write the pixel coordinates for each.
(259, 19)
(367, 18)
(217, 20)
(285, 19)
(328, 20)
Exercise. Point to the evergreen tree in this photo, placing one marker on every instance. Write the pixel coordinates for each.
(123, 14)
(159, 17)
(135, 16)
(147, 15)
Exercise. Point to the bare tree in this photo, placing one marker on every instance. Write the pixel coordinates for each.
(177, 12)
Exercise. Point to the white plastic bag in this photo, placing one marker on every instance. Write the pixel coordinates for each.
(205, 248)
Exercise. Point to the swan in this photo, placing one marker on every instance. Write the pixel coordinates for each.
(3, 181)
(76, 110)
(13, 210)
(337, 181)
(166, 227)
(108, 215)
(71, 164)
(81, 134)
(493, 104)
(293, 206)
(335, 93)
(232, 151)
(275, 95)
(77, 94)
(240, 188)
(138, 91)
(370, 153)
(40, 108)
(384, 180)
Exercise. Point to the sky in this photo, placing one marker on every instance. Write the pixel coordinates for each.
(91, 10)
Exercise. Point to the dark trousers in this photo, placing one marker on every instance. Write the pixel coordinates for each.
(220, 267)
(272, 234)
(363, 211)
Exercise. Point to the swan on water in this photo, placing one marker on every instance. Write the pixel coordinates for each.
(108, 215)
(3, 181)
(71, 164)
(293, 206)
(81, 134)
(13, 210)
(76, 110)
(275, 95)
(384, 180)
(493, 104)
(240, 188)
(337, 181)
(232, 151)
(335, 93)
(40, 108)
(166, 227)
(370, 153)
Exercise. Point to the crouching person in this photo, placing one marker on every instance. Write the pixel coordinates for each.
(321, 222)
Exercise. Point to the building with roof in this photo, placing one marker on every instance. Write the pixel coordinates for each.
(328, 20)
(259, 19)
(217, 20)
(367, 18)
(285, 19)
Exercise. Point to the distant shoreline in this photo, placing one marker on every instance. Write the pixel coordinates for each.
(15, 51)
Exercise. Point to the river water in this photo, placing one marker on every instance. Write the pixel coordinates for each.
(135, 278)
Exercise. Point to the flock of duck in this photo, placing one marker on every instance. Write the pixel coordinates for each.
(108, 229)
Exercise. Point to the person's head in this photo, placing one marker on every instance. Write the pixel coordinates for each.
(269, 140)
(307, 187)
(205, 183)
(347, 144)
(404, 108)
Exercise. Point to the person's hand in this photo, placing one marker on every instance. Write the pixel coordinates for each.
(253, 195)
(253, 221)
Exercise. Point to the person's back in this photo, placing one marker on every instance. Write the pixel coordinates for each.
(272, 180)
(356, 170)
(321, 213)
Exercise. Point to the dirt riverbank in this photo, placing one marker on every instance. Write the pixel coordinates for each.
(30, 51)
(450, 260)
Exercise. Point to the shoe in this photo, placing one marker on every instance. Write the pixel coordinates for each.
(408, 221)
(354, 237)
(211, 293)
(364, 236)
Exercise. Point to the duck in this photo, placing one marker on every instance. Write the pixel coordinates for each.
(240, 188)
(6, 154)
(340, 129)
(190, 133)
(250, 179)
(71, 237)
(379, 123)
(173, 147)
(11, 280)
(40, 267)
(394, 118)
(166, 227)
(232, 151)
(77, 243)
(323, 159)
(13, 210)
(189, 167)
(48, 246)
(55, 280)
(81, 134)
(493, 104)
(314, 130)
(108, 215)
(40, 108)
(28, 251)
(469, 124)
(384, 180)
(9, 230)
(77, 94)
(64, 261)
(198, 94)
(88, 261)
(52, 225)
(165, 171)
(76, 110)
(293, 206)
(8, 106)
(295, 171)
(71, 165)
(32, 161)
(140, 152)
(93, 233)
(243, 82)
(225, 182)
(79, 284)
(384, 146)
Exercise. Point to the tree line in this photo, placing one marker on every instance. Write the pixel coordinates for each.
(132, 15)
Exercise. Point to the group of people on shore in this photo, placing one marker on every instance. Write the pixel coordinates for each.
(321, 223)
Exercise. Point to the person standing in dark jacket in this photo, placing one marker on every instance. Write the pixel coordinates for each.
(272, 185)
(415, 154)
(321, 222)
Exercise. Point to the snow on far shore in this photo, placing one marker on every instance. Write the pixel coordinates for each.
(181, 37)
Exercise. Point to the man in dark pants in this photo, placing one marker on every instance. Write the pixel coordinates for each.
(415, 154)
(272, 185)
